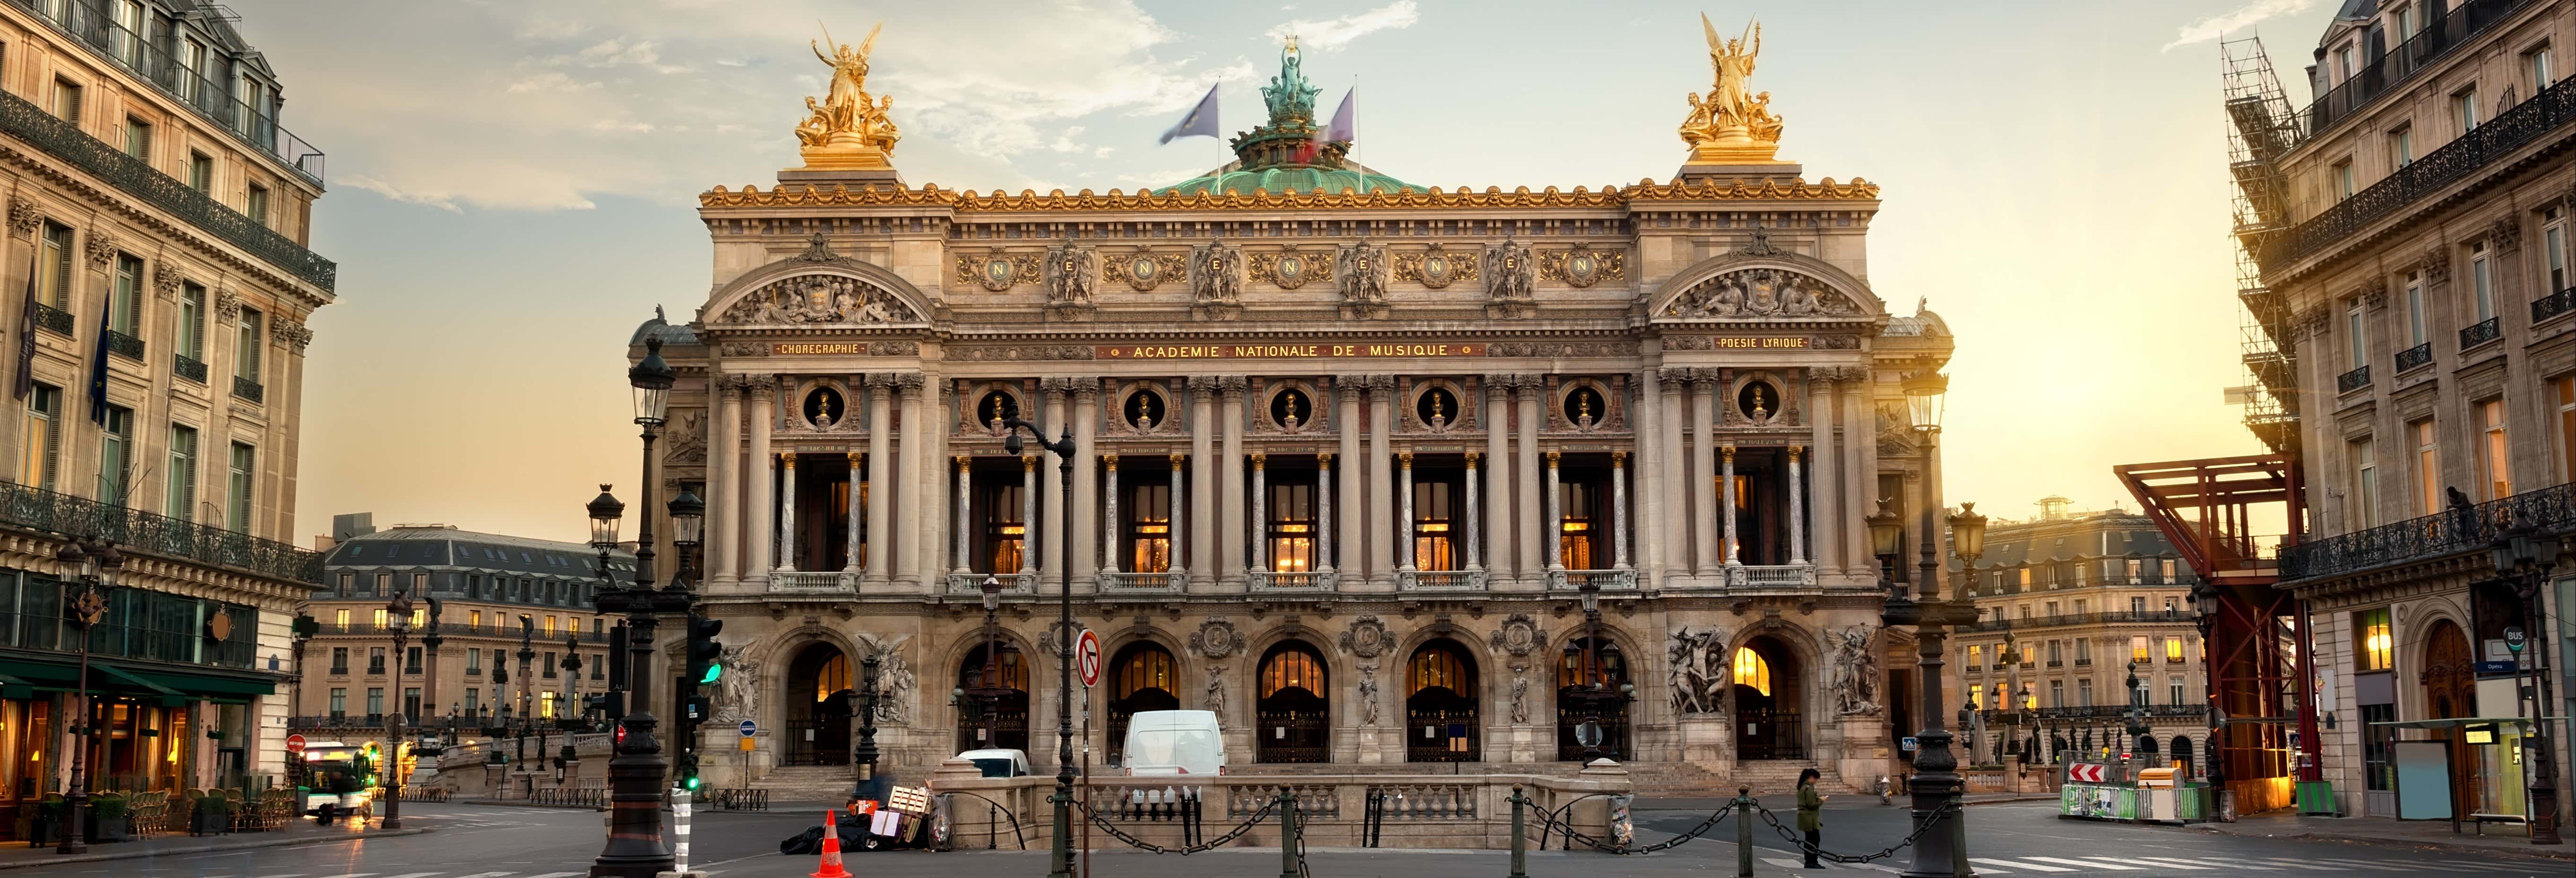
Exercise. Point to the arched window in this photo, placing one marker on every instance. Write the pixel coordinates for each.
(1292, 669)
(1751, 669)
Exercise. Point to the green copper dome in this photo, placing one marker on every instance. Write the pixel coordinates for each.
(1282, 155)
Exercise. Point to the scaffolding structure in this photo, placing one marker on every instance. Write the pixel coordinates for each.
(2261, 129)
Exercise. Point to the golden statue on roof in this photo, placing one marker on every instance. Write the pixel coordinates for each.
(1733, 125)
(847, 129)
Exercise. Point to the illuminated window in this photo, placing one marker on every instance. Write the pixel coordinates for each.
(1976, 657)
(2494, 462)
(2378, 650)
(1977, 697)
(1435, 544)
(2138, 649)
(2428, 468)
(340, 618)
(1148, 510)
(2173, 649)
(381, 618)
(1291, 528)
(1751, 670)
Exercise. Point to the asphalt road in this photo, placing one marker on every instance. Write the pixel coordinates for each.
(2025, 839)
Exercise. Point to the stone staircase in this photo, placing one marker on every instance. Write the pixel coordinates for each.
(807, 783)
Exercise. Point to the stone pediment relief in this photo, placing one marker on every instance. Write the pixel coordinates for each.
(818, 299)
(1760, 294)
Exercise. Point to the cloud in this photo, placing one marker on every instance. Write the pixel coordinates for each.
(2216, 26)
(1333, 34)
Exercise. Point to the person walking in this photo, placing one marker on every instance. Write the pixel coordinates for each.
(1811, 821)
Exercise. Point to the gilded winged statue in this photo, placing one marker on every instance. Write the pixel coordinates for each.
(847, 116)
(1732, 113)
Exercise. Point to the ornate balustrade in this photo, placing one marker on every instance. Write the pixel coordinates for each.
(813, 582)
(2449, 532)
(1606, 580)
(1300, 581)
(1143, 583)
(1012, 583)
(1440, 580)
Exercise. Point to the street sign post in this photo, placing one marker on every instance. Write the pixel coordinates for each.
(748, 728)
(2084, 772)
(1086, 658)
(1908, 743)
(2514, 638)
(295, 745)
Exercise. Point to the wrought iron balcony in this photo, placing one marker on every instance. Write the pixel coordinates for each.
(2415, 356)
(139, 531)
(87, 22)
(2117, 711)
(54, 320)
(2356, 379)
(2382, 74)
(248, 389)
(188, 367)
(2553, 304)
(2481, 332)
(2544, 114)
(30, 123)
(124, 345)
(2064, 619)
(2454, 531)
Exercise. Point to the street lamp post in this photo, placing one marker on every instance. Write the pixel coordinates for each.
(2524, 555)
(1936, 786)
(100, 565)
(398, 623)
(637, 847)
(985, 697)
(1595, 696)
(1061, 858)
(864, 756)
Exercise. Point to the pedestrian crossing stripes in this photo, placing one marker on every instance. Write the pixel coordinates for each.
(2175, 865)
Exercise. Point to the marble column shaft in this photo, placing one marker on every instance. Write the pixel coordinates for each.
(1258, 551)
(1797, 510)
(1619, 510)
(1109, 519)
(1728, 548)
(1828, 498)
(1404, 518)
(1860, 462)
(1469, 513)
(1086, 478)
(1050, 507)
(1533, 542)
(724, 488)
(965, 502)
(1172, 535)
(1324, 512)
(787, 559)
(880, 463)
(1678, 473)
(851, 493)
(1232, 503)
(758, 536)
(1703, 490)
(1202, 521)
(1647, 548)
(1031, 560)
(1555, 523)
(1346, 425)
(1381, 480)
(910, 565)
(1497, 421)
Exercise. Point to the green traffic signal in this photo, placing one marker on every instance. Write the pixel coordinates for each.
(706, 656)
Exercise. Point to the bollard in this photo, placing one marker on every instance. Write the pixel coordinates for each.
(1287, 833)
(1520, 836)
(1743, 832)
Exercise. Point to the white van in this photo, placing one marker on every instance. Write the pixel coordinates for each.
(1174, 742)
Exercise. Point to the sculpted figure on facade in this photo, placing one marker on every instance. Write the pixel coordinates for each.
(895, 679)
(1366, 638)
(1508, 270)
(1756, 293)
(1733, 123)
(1216, 280)
(1698, 670)
(1360, 269)
(688, 438)
(1214, 702)
(847, 118)
(1368, 694)
(1071, 274)
(1855, 669)
(1520, 692)
(737, 697)
(1216, 639)
(818, 299)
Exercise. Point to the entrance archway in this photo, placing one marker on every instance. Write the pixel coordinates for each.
(818, 706)
(1440, 701)
(1143, 677)
(1768, 685)
(2451, 691)
(1591, 687)
(1293, 718)
(993, 708)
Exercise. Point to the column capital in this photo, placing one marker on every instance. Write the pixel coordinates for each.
(787, 459)
(1472, 457)
(1793, 452)
(1110, 459)
(1085, 389)
(856, 457)
(1379, 386)
(963, 460)
(1672, 378)
(1552, 457)
(1704, 380)
(1233, 386)
(878, 380)
(1726, 452)
(1179, 460)
(1323, 458)
(1259, 459)
(1028, 463)
(1618, 459)
(755, 385)
(909, 384)
(1202, 387)
(1404, 459)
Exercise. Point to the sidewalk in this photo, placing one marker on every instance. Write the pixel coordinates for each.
(17, 855)
(2381, 830)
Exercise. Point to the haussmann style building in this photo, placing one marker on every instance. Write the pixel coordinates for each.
(1353, 454)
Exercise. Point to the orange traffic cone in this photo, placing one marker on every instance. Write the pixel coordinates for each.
(831, 867)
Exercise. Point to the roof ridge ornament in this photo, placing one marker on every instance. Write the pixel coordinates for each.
(1761, 245)
(817, 249)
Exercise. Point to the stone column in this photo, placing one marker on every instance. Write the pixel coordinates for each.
(1677, 473)
(724, 482)
(1860, 464)
(1468, 513)
(1534, 544)
(1109, 519)
(1797, 510)
(1496, 419)
(787, 511)
(965, 502)
(1555, 524)
(880, 460)
(1086, 480)
(1820, 418)
(1258, 554)
(760, 530)
(1654, 467)
(1324, 512)
(1404, 517)
(1381, 479)
(1703, 490)
(1346, 425)
(1727, 548)
(1619, 509)
(1202, 520)
(859, 464)
(1230, 478)
(1172, 528)
(1031, 560)
(912, 564)
(1048, 549)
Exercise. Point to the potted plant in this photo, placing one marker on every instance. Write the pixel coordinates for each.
(108, 817)
(213, 815)
(47, 829)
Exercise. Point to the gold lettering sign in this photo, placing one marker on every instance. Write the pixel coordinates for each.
(1725, 342)
(790, 349)
(1288, 350)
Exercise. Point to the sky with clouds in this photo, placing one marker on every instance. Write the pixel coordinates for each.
(513, 186)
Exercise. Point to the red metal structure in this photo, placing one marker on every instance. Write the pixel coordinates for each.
(2253, 642)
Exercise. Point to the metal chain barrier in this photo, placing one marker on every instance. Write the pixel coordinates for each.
(1550, 822)
(1822, 854)
(1267, 807)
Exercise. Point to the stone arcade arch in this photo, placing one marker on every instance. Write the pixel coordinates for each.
(817, 706)
(1000, 721)
(1292, 718)
(1442, 721)
(1770, 696)
(1592, 687)
(1143, 677)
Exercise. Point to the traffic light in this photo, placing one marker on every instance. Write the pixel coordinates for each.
(706, 656)
(689, 771)
(698, 708)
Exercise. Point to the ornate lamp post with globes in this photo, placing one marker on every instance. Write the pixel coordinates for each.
(99, 565)
(1936, 786)
(397, 623)
(1061, 857)
(2524, 555)
(636, 845)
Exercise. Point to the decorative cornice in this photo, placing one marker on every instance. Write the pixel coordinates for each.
(166, 280)
(296, 335)
(969, 201)
(101, 248)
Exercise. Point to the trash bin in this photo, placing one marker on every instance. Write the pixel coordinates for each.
(2159, 786)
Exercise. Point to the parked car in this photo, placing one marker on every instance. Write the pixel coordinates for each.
(1174, 742)
(999, 763)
